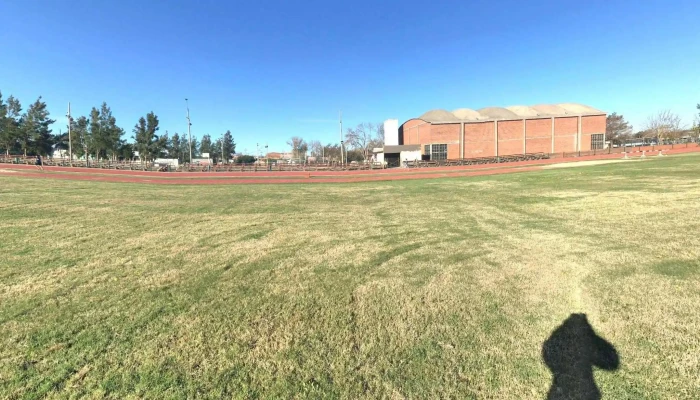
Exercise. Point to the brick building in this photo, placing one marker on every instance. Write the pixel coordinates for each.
(497, 131)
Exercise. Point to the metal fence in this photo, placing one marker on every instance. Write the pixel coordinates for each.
(628, 147)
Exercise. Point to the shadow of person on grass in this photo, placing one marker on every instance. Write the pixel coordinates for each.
(570, 353)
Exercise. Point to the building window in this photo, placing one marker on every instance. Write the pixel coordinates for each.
(597, 141)
(438, 152)
(426, 152)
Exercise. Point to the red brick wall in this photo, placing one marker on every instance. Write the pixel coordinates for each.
(420, 132)
(585, 142)
(416, 131)
(539, 135)
(444, 133)
(479, 140)
(590, 125)
(479, 137)
(510, 137)
(565, 126)
(539, 145)
(539, 128)
(564, 144)
(453, 151)
(565, 131)
(593, 124)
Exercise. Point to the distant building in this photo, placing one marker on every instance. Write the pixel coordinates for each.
(279, 156)
(495, 131)
(60, 153)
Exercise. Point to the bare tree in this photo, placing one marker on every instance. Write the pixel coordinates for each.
(298, 146)
(664, 125)
(616, 128)
(362, 138)
(316, 148)
(380, 133)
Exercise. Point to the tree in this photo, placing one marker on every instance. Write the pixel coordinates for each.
(616, 128)
(697, 122)
(215, 153)
(354, 155)
(60, 141)
(161, 146)
(111, 133)
(10, 121)
(205, 145)
(664, 125)
(185, 149)
(5, 142)
(35, 132)
(195, 149)
(174, 150)
(104, 137)
(126, 151)
(362, 138)
(146, 141)
(95, 140)
(378, 140)
(79, 134)
(303, 149)
(316, 148)
(245, 159)
(229, 146)
(332, 152)
(298, 146)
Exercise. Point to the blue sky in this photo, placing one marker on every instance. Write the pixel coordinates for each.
(268, 70)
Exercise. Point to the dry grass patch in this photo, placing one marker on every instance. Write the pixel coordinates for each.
(409, 289)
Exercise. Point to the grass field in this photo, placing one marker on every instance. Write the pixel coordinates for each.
(418, 289)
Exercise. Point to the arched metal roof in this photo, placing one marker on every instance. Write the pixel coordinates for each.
(467, 114)
(550, 110)
(523, 111)
(576, 108)
(439, 116)
(509, 113)
(497, 113)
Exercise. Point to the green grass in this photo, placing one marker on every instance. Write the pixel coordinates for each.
(410, 289)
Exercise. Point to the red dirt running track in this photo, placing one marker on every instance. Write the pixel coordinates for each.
(266, 177)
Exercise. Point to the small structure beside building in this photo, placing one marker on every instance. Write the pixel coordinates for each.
(394, 154)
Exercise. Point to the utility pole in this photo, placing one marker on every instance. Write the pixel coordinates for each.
(224, 159)
(70, 142)
(189, 126)
(340, 120)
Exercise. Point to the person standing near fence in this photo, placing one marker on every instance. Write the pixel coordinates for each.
(39, 162)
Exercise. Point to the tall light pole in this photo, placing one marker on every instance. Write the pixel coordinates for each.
(340, 120)
(70, 141)
(189, 127)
